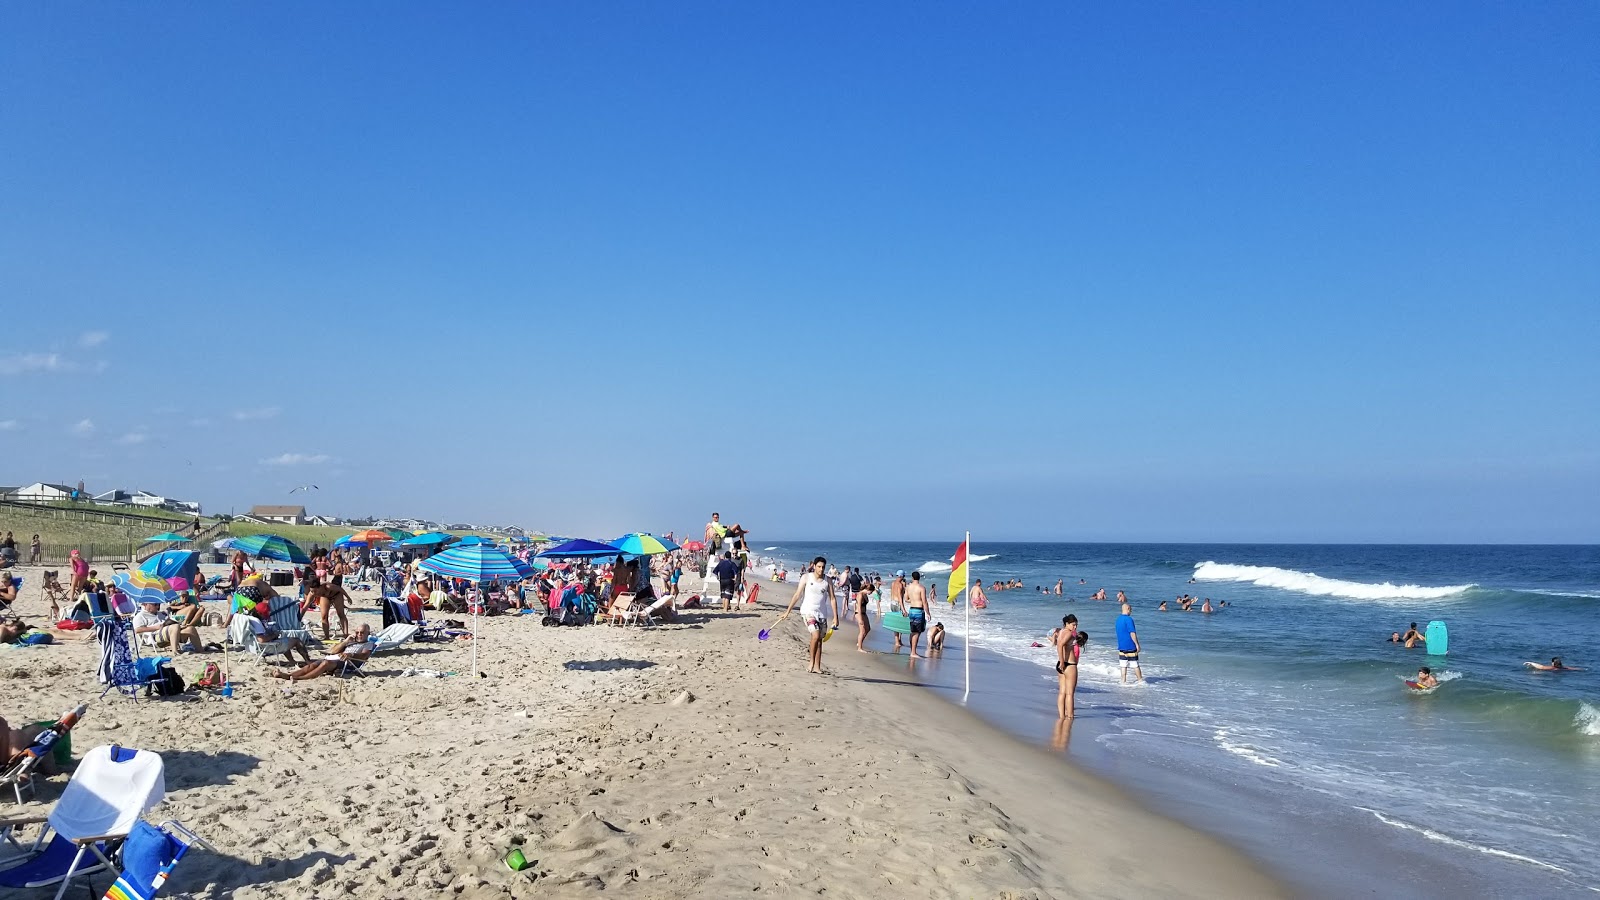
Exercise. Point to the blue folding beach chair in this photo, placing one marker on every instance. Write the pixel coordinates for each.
(149, 855)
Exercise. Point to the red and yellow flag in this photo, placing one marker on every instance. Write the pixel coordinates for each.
(958, 571)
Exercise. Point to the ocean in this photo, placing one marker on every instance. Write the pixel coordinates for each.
(1283, 724)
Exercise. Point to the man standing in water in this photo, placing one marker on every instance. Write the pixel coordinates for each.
(915, 602)
(1128, 643)
(897, 591)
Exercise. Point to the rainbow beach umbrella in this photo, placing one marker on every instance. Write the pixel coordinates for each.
(638, 544)
(142, 587)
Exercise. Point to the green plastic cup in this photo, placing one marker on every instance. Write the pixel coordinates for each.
(515, 861)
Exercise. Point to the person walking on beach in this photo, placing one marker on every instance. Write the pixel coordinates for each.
(1128, 643)
(858, 602)
(915, 601)
(80, 574)
(727, 572)
(813, 593)
(35, 551)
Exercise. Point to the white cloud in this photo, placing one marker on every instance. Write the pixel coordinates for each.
(296, 459)
(23, 363)
(10, 425)
(133, 437)
(94, 338)
(256, 415)
(83, 428)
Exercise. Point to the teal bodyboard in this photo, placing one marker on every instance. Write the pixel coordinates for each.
(1438, 638)
(897, 622)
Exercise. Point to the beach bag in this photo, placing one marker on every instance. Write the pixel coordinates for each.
(167, 683)
(210, 677)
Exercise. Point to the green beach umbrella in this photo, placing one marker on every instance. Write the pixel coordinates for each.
(165, 536)
(271, 546)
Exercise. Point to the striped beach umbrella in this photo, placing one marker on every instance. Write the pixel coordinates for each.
(480, 564)
(271, 546)
(142, 587)
(637, 544)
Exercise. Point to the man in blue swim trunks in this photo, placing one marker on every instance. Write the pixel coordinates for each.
(915, 601)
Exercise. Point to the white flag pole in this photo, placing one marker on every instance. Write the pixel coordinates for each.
(966, 640)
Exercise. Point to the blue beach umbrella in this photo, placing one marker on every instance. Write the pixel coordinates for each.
(578, 548)
(271, 546)
(480, 564)
(427, 539)
(170, 564)
(473, 540)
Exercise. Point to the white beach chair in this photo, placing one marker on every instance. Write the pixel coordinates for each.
(108, 793)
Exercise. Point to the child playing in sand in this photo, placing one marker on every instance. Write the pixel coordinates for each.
(936, 638)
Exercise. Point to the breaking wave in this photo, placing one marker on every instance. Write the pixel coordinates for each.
(1317, 586)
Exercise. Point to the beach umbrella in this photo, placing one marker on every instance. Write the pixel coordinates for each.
(141, 587)
(166, 537)
(578, 548)
(345, 543)
(226, 543)
(694, 546)
(473, 540)
(427, 539)
(271, 546)
(396, 534)
(370, 536)
(170, 564)
(637, 544)
(479, 564)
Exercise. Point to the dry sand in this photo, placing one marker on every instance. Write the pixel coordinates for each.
(581, 746)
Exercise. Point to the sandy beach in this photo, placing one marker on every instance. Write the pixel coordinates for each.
(681, 760)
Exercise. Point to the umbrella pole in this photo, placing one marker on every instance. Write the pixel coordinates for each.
(476, 607)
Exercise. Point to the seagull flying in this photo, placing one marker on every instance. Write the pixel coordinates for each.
(308, 488)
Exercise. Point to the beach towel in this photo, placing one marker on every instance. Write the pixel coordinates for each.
(116, 653)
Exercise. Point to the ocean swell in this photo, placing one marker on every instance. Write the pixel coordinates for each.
(1317, 586)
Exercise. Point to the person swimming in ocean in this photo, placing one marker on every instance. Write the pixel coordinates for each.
(1206, 607)
(1394, 637)
(1163, 608)
(1556, 665)
(1412, 637)
(1425, 678)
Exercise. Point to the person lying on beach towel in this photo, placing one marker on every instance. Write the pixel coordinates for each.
(355, 648)
(14, 631)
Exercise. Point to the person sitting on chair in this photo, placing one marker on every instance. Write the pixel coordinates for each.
(355, 648)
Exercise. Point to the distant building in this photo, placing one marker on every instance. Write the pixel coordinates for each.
(326, 521)
(42, 491)
(283, 515)
(120, 497)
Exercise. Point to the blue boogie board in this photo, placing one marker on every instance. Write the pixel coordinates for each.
(1438, 638)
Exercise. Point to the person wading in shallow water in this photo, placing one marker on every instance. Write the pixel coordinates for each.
(916, 609)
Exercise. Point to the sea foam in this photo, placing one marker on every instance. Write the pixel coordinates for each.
(1317, 586)
(1587, 720)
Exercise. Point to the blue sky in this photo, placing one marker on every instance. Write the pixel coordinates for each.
(1120, 272)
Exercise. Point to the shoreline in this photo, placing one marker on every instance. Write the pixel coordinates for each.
(572, 748)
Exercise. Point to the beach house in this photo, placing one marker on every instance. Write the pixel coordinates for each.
(283, 515)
